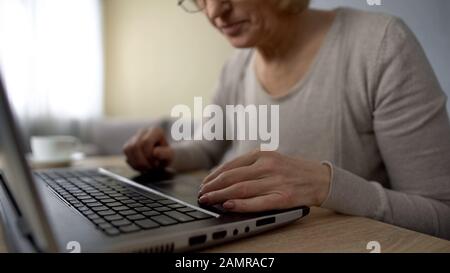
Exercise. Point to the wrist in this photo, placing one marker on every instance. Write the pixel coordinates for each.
(324, 183)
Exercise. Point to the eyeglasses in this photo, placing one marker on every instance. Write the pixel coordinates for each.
(192, 6)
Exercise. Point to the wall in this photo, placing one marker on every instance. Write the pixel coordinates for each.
(158, 56)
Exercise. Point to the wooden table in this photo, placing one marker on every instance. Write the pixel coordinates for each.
(321, 231)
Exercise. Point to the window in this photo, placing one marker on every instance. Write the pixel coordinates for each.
(52, 62)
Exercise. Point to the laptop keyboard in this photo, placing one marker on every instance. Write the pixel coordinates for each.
(115, 207)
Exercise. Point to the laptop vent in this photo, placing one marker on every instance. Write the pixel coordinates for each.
(168, 248)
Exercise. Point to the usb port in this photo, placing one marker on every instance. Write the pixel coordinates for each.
(219, 235)
(197, 240)
(265, 221)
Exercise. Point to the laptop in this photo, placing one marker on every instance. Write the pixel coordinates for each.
(110, 209)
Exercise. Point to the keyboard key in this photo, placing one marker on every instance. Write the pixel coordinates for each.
(147, 224)
(162, 209)
(199, 215)
(154, 205)
(186, 209)
(93, 217)
(120, 223)
(167, 202)
(105, 226)
(113, 217)
(134, 205)
(121, 208)
(151, 213)
(176, 206)
(154, 196)
(147, 201)
(88, 212)
(78, 205)
(130, 228)
(113, 204)
(135, 217)
(140, 198)
(106, 212)
(164, 220)
(127, 212)
(96, 204)
(80, 195)
(116, 195)
(83, 208)
(142, 209)
(98, 221)
(179, 216)
(133, 194)
(112, 231)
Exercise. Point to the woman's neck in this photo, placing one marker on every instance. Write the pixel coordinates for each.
(293, 34)
(286, 54)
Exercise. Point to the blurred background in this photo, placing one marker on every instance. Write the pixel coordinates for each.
(101, 69)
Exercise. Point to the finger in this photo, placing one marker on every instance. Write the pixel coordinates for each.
(134, 157)
(163, 139)
(163, 153)
(129, 146)
(149, 140)
(231, 177)
(255, 204)
(139, 160)
(247, 189)
(241, 161)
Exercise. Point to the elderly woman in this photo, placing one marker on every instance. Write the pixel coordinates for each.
(363, 124)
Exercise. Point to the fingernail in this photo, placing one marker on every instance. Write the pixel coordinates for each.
(200, 192)
(204, 199)
(228, 205)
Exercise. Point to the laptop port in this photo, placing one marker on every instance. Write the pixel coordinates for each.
(265, 221)
(197, 240)
(219, 235)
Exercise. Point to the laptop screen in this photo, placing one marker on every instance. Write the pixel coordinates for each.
(19, 180)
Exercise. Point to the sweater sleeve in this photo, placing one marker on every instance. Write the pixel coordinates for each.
(412, 129)
(205, 154)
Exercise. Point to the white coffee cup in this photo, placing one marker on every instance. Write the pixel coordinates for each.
(54, 148)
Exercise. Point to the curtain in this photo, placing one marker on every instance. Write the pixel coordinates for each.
(52, 62)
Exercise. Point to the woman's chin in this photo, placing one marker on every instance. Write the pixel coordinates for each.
(240, 42)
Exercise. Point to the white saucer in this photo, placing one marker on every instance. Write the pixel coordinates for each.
(57, 163)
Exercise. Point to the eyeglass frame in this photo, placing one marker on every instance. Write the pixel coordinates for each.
(180, 3)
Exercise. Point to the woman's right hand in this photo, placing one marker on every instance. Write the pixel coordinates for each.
(148, 150)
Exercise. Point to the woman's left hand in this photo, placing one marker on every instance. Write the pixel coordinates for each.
(263, 181)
